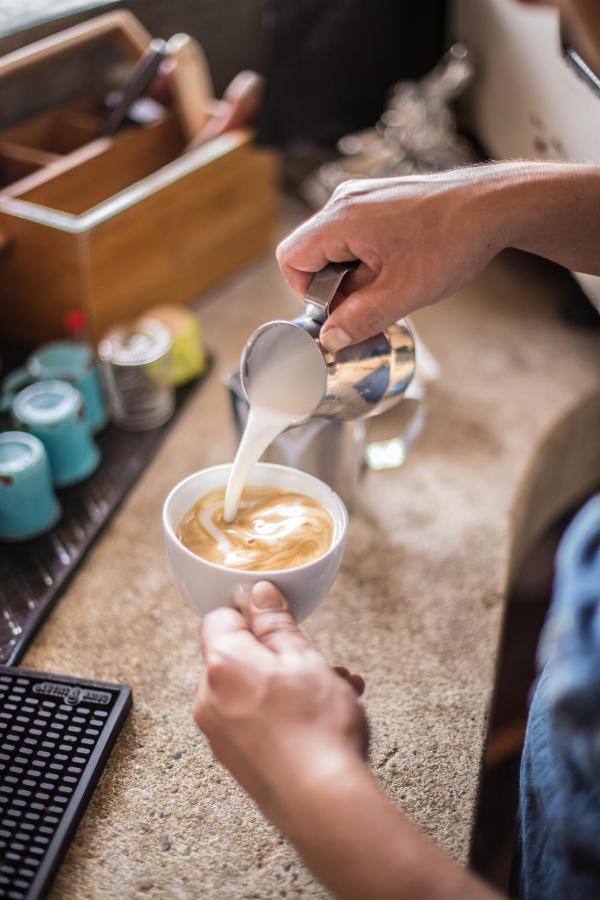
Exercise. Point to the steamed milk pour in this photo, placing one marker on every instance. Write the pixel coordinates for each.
(284, 390)
(288, 377)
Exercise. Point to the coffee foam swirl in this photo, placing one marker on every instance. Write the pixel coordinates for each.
(273, 529)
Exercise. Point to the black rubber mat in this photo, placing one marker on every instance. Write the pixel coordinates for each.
(56, 734)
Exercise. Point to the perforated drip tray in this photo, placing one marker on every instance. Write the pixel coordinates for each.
(34, 573)
(56, 734)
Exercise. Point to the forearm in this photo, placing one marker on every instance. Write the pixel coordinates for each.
(551, 209)
(360, 845)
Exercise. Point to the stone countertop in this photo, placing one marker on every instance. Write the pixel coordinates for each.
(417, 607)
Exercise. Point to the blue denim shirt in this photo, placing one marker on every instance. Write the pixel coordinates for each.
(558, 835)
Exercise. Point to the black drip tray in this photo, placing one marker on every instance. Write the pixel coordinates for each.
(33, 573)
(56, 734)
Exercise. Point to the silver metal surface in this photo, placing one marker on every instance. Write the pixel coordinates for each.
(323, 288)
(361, 380)
(136, 369)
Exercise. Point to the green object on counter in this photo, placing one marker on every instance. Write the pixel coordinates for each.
(188, 356)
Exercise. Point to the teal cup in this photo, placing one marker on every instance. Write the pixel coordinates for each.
(67, 361)
(54, 412)
(28, 505)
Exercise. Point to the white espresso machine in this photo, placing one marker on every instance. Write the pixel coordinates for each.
(534, 96)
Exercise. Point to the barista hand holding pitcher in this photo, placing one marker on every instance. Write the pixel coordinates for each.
(290, 729)
(420, 238)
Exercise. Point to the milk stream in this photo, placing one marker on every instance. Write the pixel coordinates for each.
(286, 385)
(262, 427)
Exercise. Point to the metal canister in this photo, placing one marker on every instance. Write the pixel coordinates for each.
(136, 367)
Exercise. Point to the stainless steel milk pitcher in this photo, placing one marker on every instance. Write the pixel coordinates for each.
(362, 380)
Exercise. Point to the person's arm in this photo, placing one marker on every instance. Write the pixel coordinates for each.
(420, 238)
(360, 844)
(292, 732)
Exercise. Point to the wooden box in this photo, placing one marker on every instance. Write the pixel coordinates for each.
(115, 225)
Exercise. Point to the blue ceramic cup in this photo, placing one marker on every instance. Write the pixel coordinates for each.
(28, 506)
(67, 361)
(54, 412)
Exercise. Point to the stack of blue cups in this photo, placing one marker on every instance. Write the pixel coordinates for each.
(28, 505)
(54, 444)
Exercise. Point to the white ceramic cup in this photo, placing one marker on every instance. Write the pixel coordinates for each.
(208, 585)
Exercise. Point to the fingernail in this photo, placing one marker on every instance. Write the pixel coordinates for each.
(266, 596)
(334, 339)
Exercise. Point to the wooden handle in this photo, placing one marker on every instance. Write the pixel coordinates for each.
(131, 35)
(191, 83)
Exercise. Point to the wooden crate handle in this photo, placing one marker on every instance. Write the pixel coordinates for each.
(128, 31)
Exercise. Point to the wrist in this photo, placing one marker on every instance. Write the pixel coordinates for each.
(505, 203)
(524, 200)
(521, 194)
(302, 779)
(494, 202)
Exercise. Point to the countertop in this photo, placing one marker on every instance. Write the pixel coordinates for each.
(417, 607)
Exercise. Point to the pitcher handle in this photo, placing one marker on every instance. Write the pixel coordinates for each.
(323, 288)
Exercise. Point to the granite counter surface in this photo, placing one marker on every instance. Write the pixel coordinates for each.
(417, 607)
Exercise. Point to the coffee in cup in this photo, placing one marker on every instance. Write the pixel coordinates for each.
(274, 529)
(208, 584)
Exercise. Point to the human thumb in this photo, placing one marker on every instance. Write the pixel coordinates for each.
(271, 620)
(359, 316)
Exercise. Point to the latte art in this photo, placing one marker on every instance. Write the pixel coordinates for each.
(273, 529)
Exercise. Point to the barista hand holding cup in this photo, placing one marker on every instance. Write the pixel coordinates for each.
(293, 734)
